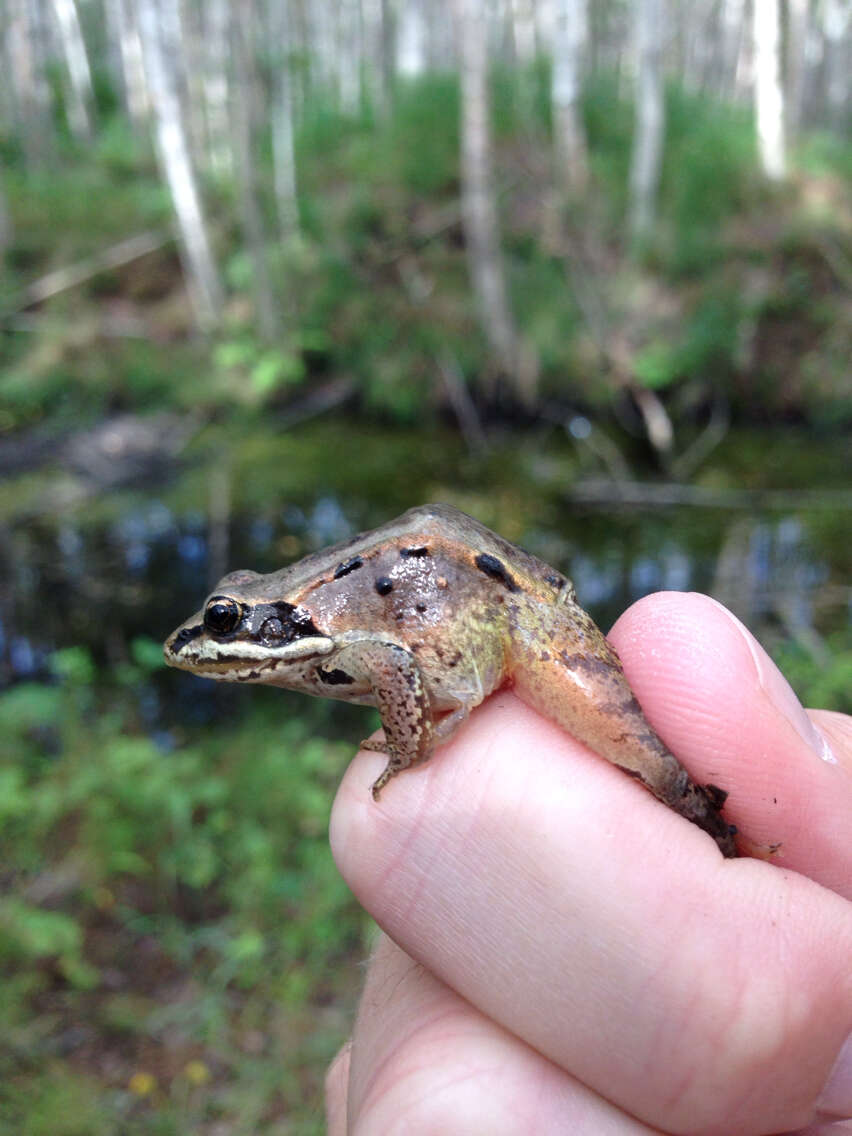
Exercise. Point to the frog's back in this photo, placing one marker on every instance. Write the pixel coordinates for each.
(466, 538)
(487, 552)
(442, 533)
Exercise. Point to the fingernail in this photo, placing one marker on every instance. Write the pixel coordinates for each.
(836, 1098)
(781, 694)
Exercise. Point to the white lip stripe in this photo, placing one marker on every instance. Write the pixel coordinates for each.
(209, 651)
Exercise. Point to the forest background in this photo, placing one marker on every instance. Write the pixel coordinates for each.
(275, 270)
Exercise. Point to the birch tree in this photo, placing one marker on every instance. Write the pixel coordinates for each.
(569, 46)
(768, 90)
(79, 99)
(349, 28)
(379, 37)
(479, 208)
(6, 230)
(522, 15)
(124, 31)
(411, 39)
(735, 48)
(283, 145)
(837, 16)
(650, 119)
(245, 152)
(25, 55)
(215, 90)
(173, 153)
(798, 43)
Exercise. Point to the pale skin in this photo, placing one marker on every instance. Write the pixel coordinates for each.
(566, 955)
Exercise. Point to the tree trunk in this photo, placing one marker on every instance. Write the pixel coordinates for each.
(6, 230)
(798, 38)
(388, 51)
(768, 91)
(173, 151)
(215, 87)
(836, 18)
(193, 40)
(32, 94)
(523, 30)
(80, 97)
(283, 149)
(735, 67)
(245, 153)
(320, 20)
(377, 50)
(650, 120)
(411, 39)
(125, 33)
(570, 34)
(349, 54)
(479, 208)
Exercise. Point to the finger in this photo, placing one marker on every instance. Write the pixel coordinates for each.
(337, 1092)
(721, 704)
(424, 1060)
(564, 902)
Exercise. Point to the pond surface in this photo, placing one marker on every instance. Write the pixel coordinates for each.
(100, 567)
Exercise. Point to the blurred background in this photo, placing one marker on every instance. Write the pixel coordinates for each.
(272, 272)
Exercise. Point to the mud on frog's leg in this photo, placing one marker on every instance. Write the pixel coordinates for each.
(402, 702)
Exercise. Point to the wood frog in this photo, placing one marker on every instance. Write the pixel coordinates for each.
(423, 618)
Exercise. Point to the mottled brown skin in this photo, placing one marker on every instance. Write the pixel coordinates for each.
(424, 618)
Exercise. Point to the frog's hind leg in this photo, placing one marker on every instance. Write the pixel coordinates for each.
(577, 680)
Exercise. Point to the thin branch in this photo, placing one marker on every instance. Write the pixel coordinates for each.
(72, 275)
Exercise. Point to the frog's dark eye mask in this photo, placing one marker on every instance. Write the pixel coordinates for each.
(233, 635)
(273, 624)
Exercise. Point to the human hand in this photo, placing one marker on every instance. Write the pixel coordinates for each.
(588, 961)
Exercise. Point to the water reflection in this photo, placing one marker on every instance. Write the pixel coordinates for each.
(101, 586)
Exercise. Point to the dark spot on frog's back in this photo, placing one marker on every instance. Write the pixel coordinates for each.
(497, 570)
(383, 585)
(348, 566)
(421, 550)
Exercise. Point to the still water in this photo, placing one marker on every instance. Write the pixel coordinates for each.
(101, 565)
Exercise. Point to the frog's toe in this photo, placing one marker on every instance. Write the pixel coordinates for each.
(390, 770)
(377, 745)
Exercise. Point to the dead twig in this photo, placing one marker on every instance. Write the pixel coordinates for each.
(72, 275)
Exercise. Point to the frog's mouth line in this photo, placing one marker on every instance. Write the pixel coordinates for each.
(206, 657)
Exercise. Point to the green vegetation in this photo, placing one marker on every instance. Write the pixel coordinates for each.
(176, 904)
(376, 286)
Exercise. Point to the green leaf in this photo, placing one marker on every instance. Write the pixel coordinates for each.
(74, 665)
(147, 653)
(276, 368)
(34, 933)
(657, 366)
(234, 353)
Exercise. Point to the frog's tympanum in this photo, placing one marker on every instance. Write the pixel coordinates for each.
(424, 618)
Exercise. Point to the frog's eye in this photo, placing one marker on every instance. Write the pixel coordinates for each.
(221, 615)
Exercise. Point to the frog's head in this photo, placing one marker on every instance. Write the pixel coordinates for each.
(242, 634)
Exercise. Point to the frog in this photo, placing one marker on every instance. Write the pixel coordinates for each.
(423, 618)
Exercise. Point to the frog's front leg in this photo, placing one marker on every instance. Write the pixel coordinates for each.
(402, 700)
